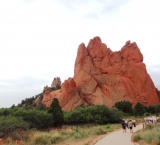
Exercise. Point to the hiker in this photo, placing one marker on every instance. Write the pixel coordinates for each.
(126, 122)
(144, 124)
(134, 122)
(130, 126)
(123, 126)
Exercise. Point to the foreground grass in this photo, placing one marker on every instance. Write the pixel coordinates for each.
(149, 135)
(66, 135)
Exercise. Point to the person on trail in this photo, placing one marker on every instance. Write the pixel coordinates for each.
(123, 126)
(130, 126)
(134, 122)
(126, 122)
(143, 125)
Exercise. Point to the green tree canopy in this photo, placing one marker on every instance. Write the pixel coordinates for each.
(99, 114)
(124, 106)
(11, 123)
(157, 109)
(139, 109)
(56, 111)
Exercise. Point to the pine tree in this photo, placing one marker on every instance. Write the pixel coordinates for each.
(157, 109)
(57, 113)
(139, 109)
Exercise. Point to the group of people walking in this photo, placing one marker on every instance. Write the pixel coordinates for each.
(149, 120)
(128, 124)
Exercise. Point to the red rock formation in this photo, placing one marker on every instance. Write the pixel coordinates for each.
(102, 76)
(56, 82)
(47, 98)
(68, 96)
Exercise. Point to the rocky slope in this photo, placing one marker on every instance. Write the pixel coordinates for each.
(102, 76)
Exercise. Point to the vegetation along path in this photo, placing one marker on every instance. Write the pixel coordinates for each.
(119, 137)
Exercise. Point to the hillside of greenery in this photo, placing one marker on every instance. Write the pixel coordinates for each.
(35, 101)
(16, 121)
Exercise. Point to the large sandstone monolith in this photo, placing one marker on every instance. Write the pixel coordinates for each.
(102, 76)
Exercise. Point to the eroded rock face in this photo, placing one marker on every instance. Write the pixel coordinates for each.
(68, 96)
(47, 98)
(56, 82)
(102, 76)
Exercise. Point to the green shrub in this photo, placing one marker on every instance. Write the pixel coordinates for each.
(149, 126)
(19, 134)
(124, 106)
(99, 114)
(9, 140)
(157, 109)
(63, 132)
(55, 139)
(10, 124)
(158, 120)
(150, 134)
(108, 126)
(99, 131)
(136, 137)
(109, 130)
(41, 140)
(150, 109)
(36, 118)
(15, 135)
(139, 109)
(78, 135)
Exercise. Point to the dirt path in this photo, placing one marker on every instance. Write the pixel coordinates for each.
(118, 137)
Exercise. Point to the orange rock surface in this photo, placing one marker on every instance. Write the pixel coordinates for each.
(102, 76)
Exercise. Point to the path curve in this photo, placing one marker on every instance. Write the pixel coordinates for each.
(119, 138)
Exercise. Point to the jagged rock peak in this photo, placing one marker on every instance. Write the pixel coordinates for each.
(102, 76)
(56, 82)
(131, 52)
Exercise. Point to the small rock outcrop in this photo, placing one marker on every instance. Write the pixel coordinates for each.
(102, 76)
(47, 98)
(56, 82)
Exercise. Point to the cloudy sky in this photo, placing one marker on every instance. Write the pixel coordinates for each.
(39, 39)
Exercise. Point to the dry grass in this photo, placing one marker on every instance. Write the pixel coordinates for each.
(83, 135)
(149, 135)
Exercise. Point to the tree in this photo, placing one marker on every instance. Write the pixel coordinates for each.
(12, 106)
(11, 123)
(157, 109)
(115, 116)
(6, 112)
(99, 114)
(124, 106)
(150, 109)
(40, 106)
(139, 109)
(56, 111)
(35, 118)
